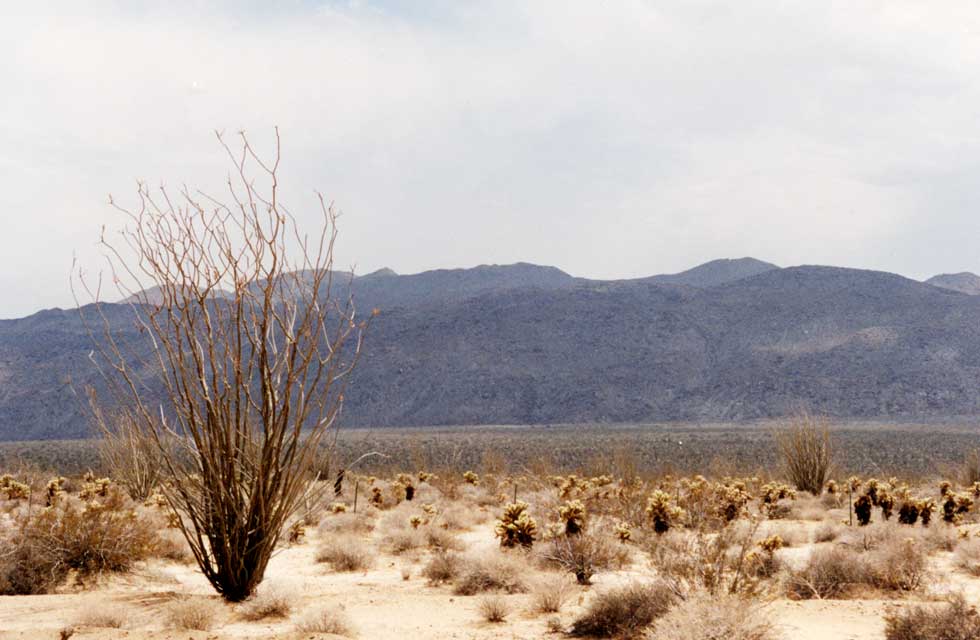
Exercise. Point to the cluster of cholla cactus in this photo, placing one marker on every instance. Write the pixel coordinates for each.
(425, 476)
(662, 511)
(732, 498)
(13, 490)
(377, 498)
(572, 516)
(912, 510)
(93, 487)
(771, 493)
(55, 490)
(955, 505)
(471, 478)
(516, 527)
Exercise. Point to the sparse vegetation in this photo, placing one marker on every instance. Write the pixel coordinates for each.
(623, 611)
(955, 620)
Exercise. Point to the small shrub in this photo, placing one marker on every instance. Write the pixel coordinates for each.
(345, 553)
(192, 614)
(268, 602)
(442, 567)
(828, 574)
(967, 557)
(826, 532)
(953, 621)
(493, 608)
(493, 572)
(326, 621)
(582, 555)
(554, 625)
(706, 617)
(624, 611)
(550, 596)
(114, 618)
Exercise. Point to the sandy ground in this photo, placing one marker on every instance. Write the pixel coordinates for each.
(383, 606)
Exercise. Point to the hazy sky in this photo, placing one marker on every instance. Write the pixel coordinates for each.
(608, 138)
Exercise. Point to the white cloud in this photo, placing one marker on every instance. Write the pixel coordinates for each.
(612, 139)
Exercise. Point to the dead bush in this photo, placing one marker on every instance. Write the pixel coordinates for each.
(439, 538)
(953, 621)
(624, 611)
(705, 617)
(268, 602)
(443, 567)
(829, 573)
(494, 608)
(326, 621)
(967, 557)
(827, 532)
(346, 522)
(114, 618)
(551, 595)
(584, 554)
(345, 553)
(806, 451)
(491, 572)
(100, 536)
(192, 614)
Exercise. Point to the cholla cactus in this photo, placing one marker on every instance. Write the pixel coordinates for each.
(871, 490)
(908, 512)
(887, 504)
(955, 505)
(732, 499)
(416, 521)
(771, 544)
(429, 509)
(54, 490)
(572, 514)
(862, 509)
(377, 498)
(516, 526)
(425, 476)
(338, 507)
(405, 481)
(92, 488)
(832, 487)
(13, 490)
(569, 486)
(945, 487)
(926, 507)
(771, 494)
(662, 511)
(297, 532)
(471, 478)
(623, 532)
(975, 490)
(854, 483)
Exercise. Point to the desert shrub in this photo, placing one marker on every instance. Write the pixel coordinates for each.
(623, 611)
(970, 470)
(805, 450)
(347, 522)
(493, 608)
(953, 621)
(491, 572)
(171, 545)
(967, 557)
(439, 538)
(326, 621)
(442, 567)
(268, 602)
(899, 567)
(826, 532)
(829, 573)
(698, 561)
(104, 618)
(192, 614)
(550, 596)
(584, 554)
(706, 617)
(103, 536)
(345, 553)
(516, 526)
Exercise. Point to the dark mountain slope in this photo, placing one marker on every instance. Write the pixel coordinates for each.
(526, 344)
(716, 272)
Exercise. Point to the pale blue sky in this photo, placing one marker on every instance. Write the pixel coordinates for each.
(610, 139)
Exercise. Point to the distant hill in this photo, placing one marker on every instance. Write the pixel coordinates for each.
(716, 272)
(964, 282)
(529, 344)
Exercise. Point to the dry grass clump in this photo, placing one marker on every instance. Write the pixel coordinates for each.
(550, 596)
(953, 621)
(624, 611)
(114, 618)
(493, 608)
(171, 545)
(345, 553)
(839, 573)
(584, 554)
(491, 572)
(967, 557)
(827, 532)
(326, 621)
(192, 614)
(347, 522)
(706, 617)
(439, 538)
(268, 602)
(443, 567)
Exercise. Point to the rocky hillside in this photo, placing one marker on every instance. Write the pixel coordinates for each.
(528, 344)
(964, 282)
